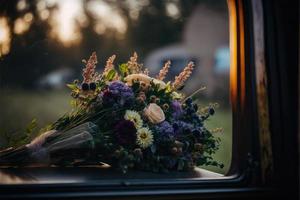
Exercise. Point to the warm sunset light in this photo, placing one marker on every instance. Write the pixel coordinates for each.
(66, 18)
(23, 24)
(172, 10)
(64, 22)
(21, 5)
(233, 50)
(106, 17)
(43, 12)
(69, 17)
(5, 37)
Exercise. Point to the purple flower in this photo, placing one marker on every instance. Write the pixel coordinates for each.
(125, 132)
(120, 88)
(165, 128)
(119, 93)
(181, 127)
(177, 109)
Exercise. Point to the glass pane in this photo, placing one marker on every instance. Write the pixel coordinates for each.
(43, 42)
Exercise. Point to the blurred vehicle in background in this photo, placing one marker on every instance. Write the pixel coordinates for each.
(178, 54)
(222, 61)
(56, 79)
(204, 40)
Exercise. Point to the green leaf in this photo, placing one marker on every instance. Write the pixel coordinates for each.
(45, 129)
(72, 86)
(168, 87)
(31, 126)
(111, 74)
(123, 69)
(73, 103)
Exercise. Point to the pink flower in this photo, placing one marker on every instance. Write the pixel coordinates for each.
(88, 72)
(154, 113)
(183, 76)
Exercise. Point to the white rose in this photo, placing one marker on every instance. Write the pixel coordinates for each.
(154, 113)
(134, 77)
(144, 79)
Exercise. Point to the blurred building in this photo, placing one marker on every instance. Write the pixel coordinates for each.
(205, 41)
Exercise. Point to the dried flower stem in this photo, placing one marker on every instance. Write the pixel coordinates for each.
(183, 76)
(109, 64)
(146, 72)
(194, 93)
(216, 130)
(205, 110)
(133, 66)
(88, 73)
(163, 72)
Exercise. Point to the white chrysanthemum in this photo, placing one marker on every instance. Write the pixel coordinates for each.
(134, 117)
(144, 137)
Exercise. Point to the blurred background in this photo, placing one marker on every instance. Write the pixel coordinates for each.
(42, 44)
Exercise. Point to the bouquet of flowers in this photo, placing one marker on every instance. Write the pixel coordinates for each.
(127, 119)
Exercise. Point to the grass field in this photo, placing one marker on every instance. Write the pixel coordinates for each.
(222, 119)
(19, 107)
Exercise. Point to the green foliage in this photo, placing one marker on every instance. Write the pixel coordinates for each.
(123, 68)
(110, 75)
(100, 84)
(17, 139)
(164, 94)
(67, 121)
(31, 127)
(73, 86)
